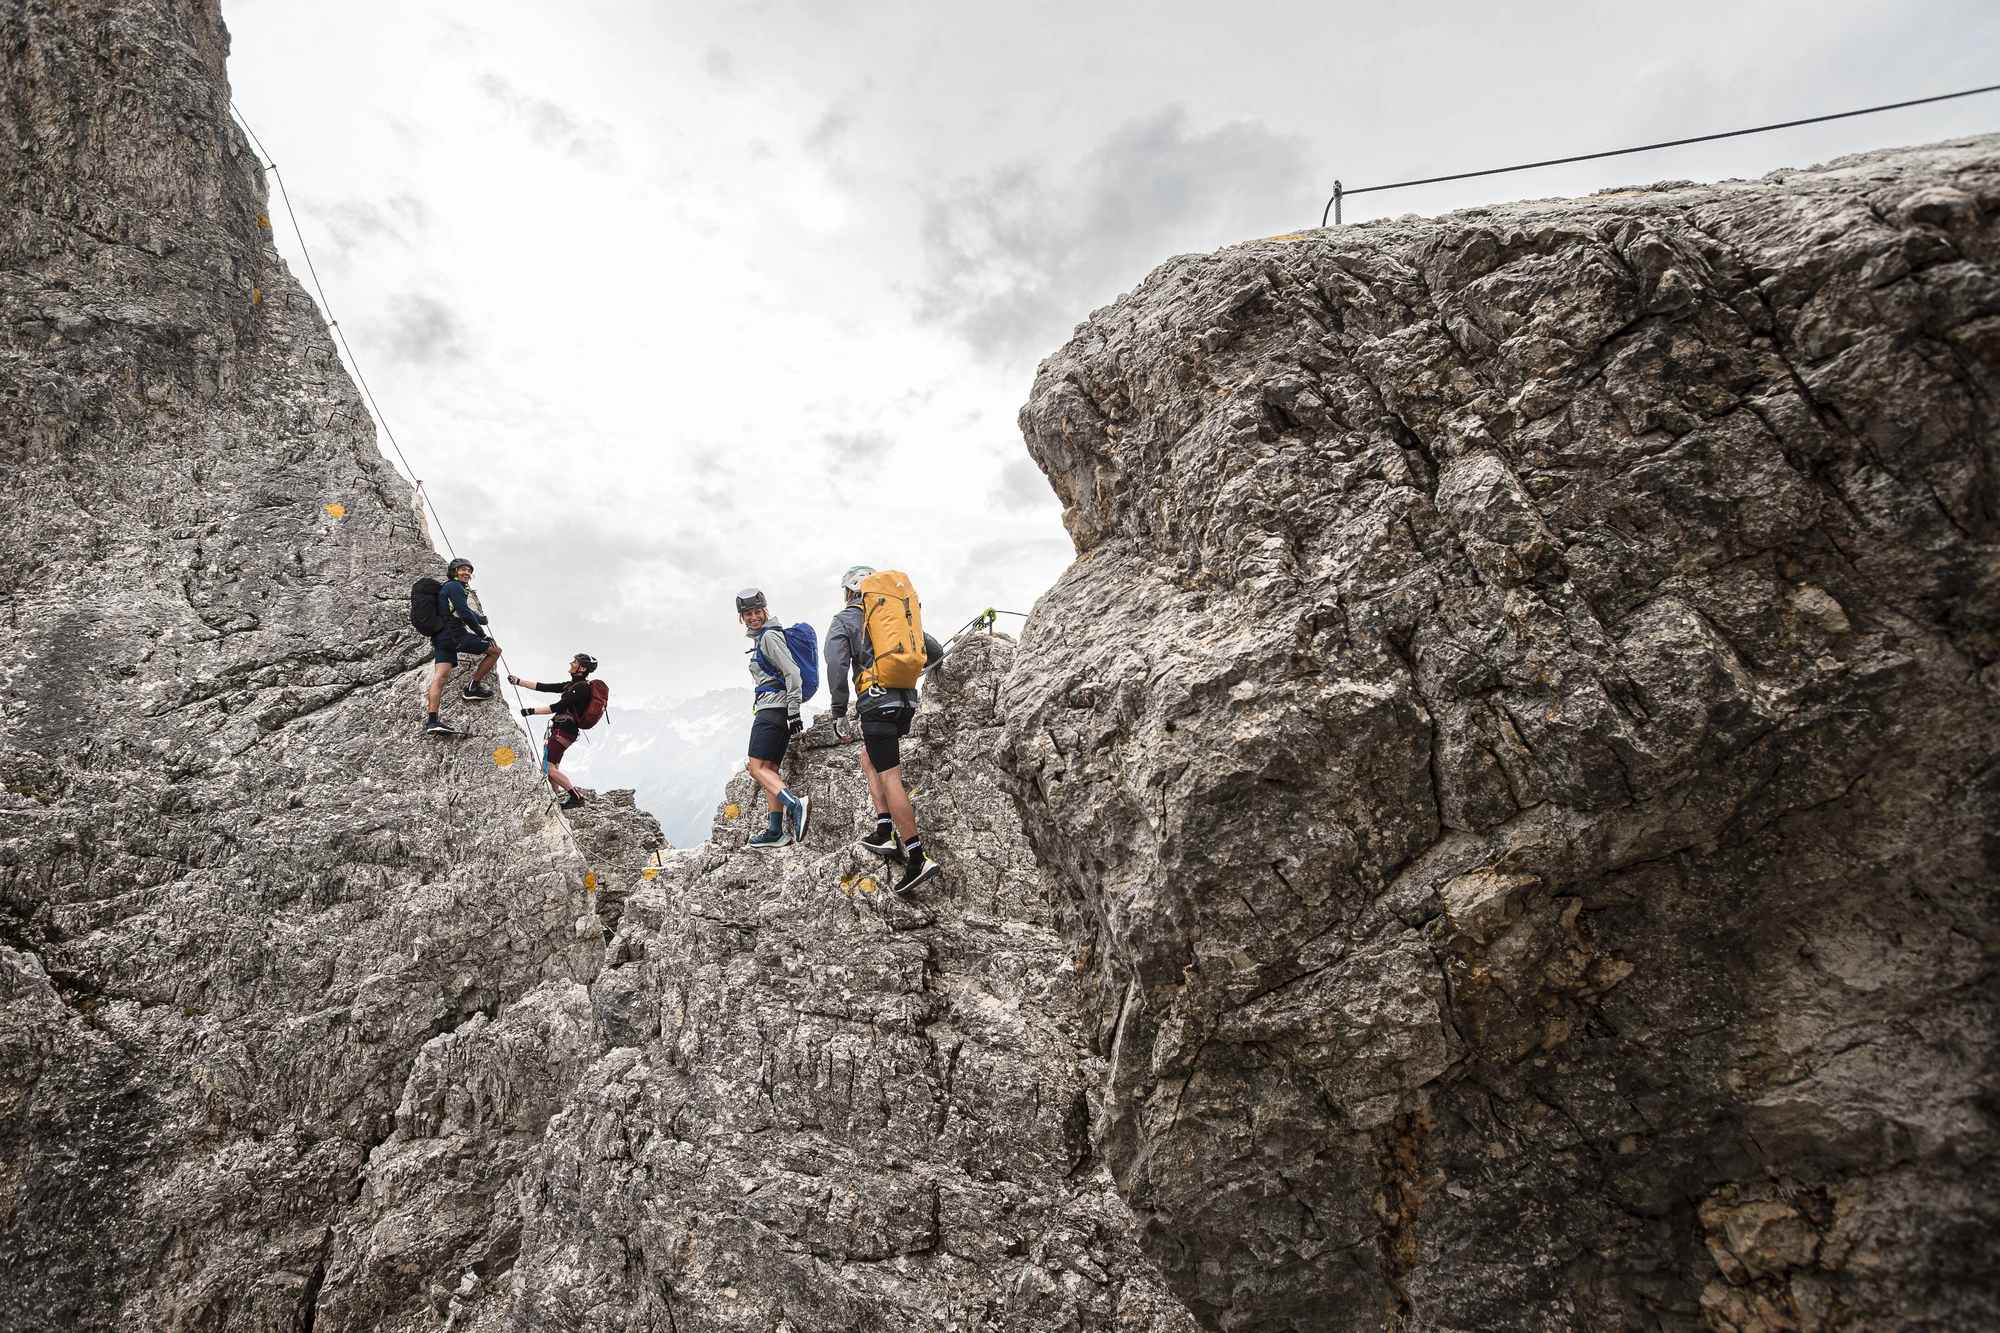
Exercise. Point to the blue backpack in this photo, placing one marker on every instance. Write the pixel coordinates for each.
(803, 640)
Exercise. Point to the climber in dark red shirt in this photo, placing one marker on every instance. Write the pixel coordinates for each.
(566, 715)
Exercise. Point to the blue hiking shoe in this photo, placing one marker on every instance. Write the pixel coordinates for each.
(800, 810)
(770, 840)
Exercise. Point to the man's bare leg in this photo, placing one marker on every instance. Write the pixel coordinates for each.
(440, 673)
(886, 789)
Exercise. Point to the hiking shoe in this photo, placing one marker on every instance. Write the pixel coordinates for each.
(767, 841)
(921, 871)
(440, 729)
(800, 809)
(476, 690)
(575, 801)
(891, 846)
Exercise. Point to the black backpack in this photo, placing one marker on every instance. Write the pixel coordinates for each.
(424, 616)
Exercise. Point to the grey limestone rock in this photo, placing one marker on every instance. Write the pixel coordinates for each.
(1494, 831)
(241, 895)
(820, 1106)
(1520, 736)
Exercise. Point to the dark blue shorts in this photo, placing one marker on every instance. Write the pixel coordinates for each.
(769, 735)
(447, 646)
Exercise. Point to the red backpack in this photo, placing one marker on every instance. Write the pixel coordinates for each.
(600, 699)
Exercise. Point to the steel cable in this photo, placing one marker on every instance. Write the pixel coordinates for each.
(354, 364)
(1340, 193)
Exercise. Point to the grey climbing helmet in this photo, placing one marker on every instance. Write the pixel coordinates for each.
(851, 580)
(749, 600)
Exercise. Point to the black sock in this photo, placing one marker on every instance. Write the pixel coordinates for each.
(884, 826)
(915, 847)
(433, 720)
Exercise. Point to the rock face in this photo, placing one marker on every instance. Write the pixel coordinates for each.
(239, 891)
(1496, 830)
(1520, 733)
(819, 1106)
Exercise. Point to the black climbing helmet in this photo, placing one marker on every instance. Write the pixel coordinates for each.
(749, 600)
(451, 570)
(585, 660)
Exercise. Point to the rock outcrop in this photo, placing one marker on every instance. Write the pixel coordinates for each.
(1520, 733)
(819, 1106)
(239, 890)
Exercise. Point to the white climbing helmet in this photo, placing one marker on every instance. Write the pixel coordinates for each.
(851, 580)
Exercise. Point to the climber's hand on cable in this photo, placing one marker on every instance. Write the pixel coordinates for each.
(527, 712)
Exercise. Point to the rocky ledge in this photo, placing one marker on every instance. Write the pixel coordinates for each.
(1521, 731)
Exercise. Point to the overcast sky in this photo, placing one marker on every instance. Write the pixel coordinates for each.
(666, 299)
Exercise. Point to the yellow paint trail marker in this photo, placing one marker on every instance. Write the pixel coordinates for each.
(731, 810)
(264, 219)
(337, 509)
(649, 872)
(256, 296)
(504, 756)
(590, 880)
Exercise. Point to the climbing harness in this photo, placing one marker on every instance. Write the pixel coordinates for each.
(1333, 204)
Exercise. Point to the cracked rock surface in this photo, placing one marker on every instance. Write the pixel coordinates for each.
(239, 891)
(818, 1106)
(1520, 737)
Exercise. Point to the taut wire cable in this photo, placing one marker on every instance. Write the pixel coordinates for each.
(423, 494)
(1340, 193)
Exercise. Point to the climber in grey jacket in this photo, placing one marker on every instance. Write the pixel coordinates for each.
(778, 694)
(886, 716)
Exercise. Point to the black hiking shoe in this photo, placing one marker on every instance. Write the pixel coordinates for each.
(575, 801)
(476, 690)
(440, 729)
(891, 846)
(920, 871)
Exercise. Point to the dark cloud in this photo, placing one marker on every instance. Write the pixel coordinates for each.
(424, 330)
(1016, 258)
(353, 223)
(853, 448)
(831, 126)
(1022, 486)
(552, 125)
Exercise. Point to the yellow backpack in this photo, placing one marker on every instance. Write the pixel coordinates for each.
(895, 623)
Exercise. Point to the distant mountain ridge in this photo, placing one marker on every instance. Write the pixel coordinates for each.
(676, 758)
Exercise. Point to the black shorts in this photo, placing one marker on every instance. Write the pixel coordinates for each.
(562, 735)
(881, 732)
(769, 735)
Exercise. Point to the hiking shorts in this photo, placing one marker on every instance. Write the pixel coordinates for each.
(769, 735)
(562, 735)
(882, 731)
(446, 647)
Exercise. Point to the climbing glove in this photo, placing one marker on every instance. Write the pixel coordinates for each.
(795, 723)
(527, 712)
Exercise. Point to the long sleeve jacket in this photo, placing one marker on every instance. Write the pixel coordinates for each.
(781, 686)
(575, 694)
(453, 604)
